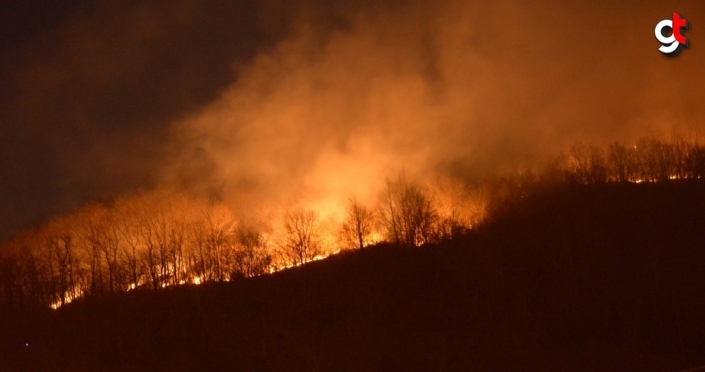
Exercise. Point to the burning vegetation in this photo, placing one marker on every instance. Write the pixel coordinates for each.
(649, 160)
(165, 238)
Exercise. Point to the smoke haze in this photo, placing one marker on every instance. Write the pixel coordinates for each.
(459, 88)
(266, 104)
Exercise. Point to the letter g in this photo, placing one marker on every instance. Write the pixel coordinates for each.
(669, 43)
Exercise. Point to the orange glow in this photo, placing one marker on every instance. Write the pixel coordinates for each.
(69, 296)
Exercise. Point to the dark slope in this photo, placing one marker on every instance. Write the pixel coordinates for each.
(608, 277)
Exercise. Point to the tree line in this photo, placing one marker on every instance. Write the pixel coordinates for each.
(163, 238)
(649, 160)
(150, 240)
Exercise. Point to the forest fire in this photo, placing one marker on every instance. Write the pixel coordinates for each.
(176, 176)
(67, 298)
(166, 238)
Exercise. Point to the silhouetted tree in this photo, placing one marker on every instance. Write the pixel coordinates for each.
(407, 212)
(358, 225)
(620, 162)
(655, 159)
(211, 249)
(301, 240)
(252, 256)
(680, 147)
(90, 220)
(585, 164)
(61, 259)
(695, 161)
(110, 248)
(457, 207)
(126, 212)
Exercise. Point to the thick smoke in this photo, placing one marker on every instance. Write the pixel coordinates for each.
(460, 88)
(267, 103)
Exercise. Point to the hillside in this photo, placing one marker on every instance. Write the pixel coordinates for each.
(584, 277)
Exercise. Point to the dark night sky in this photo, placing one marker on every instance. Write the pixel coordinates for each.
(91, 91)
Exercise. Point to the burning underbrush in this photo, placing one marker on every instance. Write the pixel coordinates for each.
(166, 238)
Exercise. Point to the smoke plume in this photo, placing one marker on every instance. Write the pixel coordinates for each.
(272, 103)
(460, 89)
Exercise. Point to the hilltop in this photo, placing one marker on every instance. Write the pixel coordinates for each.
(566, 277)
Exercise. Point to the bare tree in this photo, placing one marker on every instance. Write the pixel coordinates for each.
(101, 242)
(110, 248)
(91, 236)
(61, 259)
(145, 213)
(126, 219)
(302, 238)
(358, 225)
(252, 255)
(389, 211)
(178, 207)
(220, 227)
(211, 253)
(460, 207)
(407, 212)
(418, 215)
(621, 163)
(198, 255)
(655, 159)
(680, 147)
(585, 164)
(695, 161)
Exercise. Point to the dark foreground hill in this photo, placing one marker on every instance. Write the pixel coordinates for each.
(571, 278)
